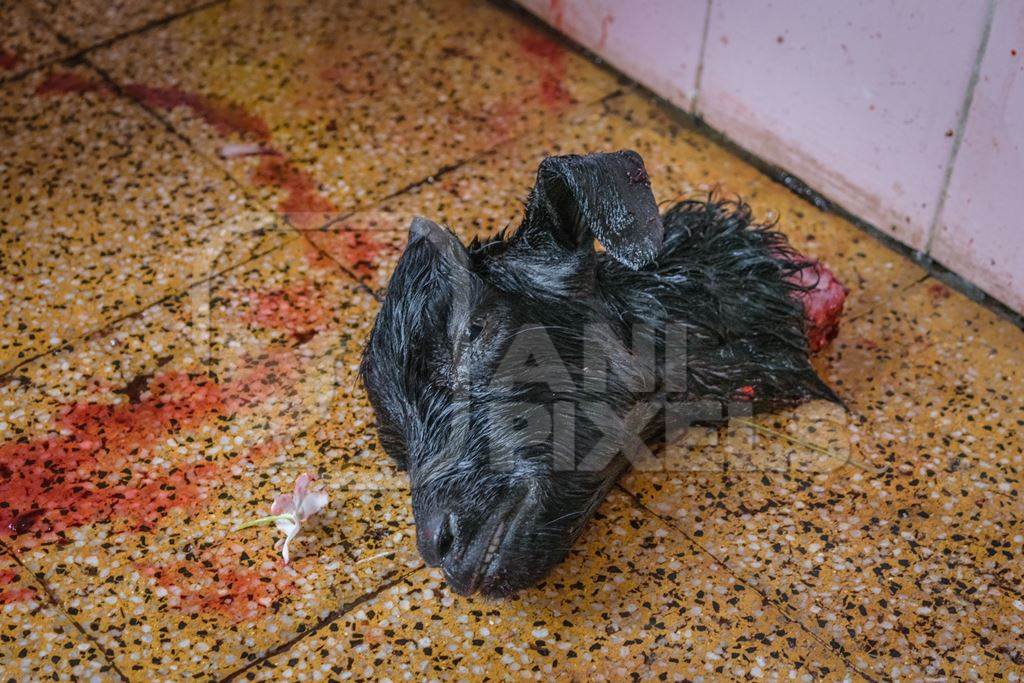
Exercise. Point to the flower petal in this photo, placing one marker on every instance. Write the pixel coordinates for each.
(311, 504)
(282, 504)
(302, 484)
(287, 539)
(289, 526)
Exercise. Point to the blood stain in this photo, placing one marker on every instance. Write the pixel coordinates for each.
(357, 243)
(548, 60)
(95, 465)
(8, 60)
(557, 10)
(11, 595)
(939, 291)
(303, 204)
(217, 581)
(606, 22)
(70, 82)
(224, 117)
(296, 309)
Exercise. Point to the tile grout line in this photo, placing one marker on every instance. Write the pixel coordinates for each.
(430, 180)
(8, 374)
(698, 78)
(961, 127)
(856, 315)
(322, 623)
(80, 52)
(54, 602)
(785, 614)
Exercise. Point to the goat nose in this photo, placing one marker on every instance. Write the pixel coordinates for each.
(435, 534)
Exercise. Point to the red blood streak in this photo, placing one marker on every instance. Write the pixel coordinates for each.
(218, 584)
(823, 304)
(356, 250)
(553, 94)
(539, 46)
(9, 595)
(95, 465)
(938, 291)
(224, 117)
(548, 60)
(69, 82)
(84, 472)
(8, 59)
(504, 119)
(557, 13)
(304, 206)
(297, 309)
(606, 22)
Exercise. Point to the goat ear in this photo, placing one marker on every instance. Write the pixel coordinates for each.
(607, 196)
(443, 245)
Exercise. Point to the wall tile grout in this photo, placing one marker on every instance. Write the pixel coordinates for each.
(699, 75)
(961, 126)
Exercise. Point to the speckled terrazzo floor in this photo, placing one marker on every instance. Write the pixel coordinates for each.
(179, 333)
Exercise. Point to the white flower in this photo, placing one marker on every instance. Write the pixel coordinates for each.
(290, 510)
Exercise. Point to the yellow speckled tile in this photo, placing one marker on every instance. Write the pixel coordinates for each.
(131, 457)
(850, 567)
(915, 565)
(104, 212)
(487, 195)
(949, 419)
(37, 641)
(88, 22)
(353, 114)
(484, 196)
(24, 42)
(632, 600)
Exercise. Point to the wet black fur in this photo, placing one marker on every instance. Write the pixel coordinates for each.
(459, 409)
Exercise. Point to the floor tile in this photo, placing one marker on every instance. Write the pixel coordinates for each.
(104, 212)
(134, 455)
(182, 354)
(345, 115)
(632, 599)
(37, 641)
(487, 195)
(88, 22)
(24, 41)
(912, 560)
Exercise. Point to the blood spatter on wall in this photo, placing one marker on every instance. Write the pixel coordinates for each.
(548, 61)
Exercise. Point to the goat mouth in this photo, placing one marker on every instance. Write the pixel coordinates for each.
(489, 561)
(479, 569)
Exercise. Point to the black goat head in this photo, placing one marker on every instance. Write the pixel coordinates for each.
(515, 377)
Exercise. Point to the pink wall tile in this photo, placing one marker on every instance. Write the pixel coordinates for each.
(859, 99)
(656, 42)
(980, 233)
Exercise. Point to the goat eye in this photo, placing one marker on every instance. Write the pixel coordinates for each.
(473, 331)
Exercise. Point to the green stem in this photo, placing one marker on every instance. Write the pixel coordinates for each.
(266, 520)
(810, 446)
